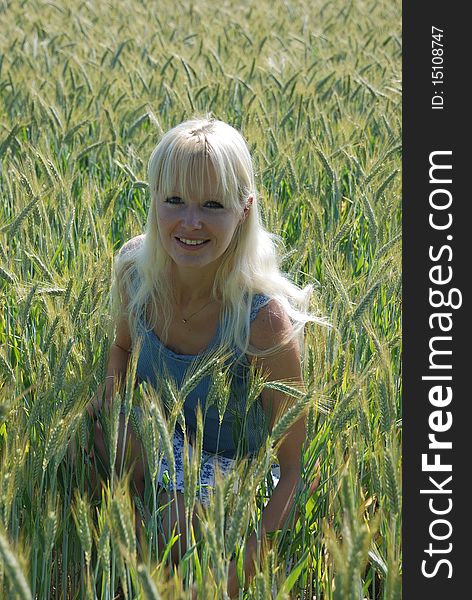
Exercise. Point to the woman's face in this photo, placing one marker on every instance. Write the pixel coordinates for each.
(196, 230)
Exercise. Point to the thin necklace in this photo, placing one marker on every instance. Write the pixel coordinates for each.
(185, 321)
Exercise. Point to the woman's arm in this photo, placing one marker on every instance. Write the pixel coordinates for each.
(120, 349)
(269, 328)
(116, 369)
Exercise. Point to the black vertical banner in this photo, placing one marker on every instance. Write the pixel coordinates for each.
(437, 444)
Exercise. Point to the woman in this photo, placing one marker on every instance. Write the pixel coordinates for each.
(204, 276)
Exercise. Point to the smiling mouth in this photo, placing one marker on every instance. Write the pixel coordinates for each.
(191, 243)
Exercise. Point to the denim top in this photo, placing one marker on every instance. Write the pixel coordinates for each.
(239, 432)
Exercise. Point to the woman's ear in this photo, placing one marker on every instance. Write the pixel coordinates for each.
(247, 207)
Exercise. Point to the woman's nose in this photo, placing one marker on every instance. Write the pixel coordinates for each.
(192, 217)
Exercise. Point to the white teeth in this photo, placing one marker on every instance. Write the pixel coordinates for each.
(191, 242)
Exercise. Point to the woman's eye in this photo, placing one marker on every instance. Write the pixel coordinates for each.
(178, 200)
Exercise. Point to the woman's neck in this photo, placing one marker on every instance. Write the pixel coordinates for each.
(192, 286)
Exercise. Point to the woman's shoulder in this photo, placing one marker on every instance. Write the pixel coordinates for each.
(270, 325)
(125, 265)
(131, 245)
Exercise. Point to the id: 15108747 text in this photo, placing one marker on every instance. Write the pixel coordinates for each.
(437, 68)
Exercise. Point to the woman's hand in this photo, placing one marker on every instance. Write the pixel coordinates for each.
(249, 568)
(93, 406)
(277, 506)
(96, 403)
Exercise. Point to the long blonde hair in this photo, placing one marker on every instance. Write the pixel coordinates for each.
(250, 264)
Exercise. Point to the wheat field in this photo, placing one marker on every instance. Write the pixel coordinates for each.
(86, 89)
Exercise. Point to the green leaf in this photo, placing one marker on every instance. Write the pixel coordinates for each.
(293, 577)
